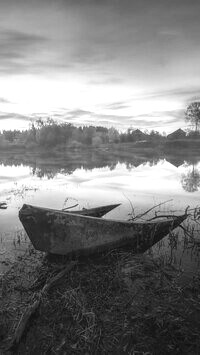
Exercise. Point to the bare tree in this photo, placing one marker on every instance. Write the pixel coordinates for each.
(192, 114)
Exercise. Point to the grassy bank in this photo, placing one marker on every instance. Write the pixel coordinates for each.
(116, 303)
(105, 152)
(187, 145)
(164, 143)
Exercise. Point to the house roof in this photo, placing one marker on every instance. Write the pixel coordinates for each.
(177, 132)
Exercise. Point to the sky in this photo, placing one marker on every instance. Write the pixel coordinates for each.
(120, 63)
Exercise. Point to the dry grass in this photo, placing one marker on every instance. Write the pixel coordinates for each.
(115, 303)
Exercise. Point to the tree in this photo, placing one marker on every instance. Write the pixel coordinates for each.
(11, 135)
(96, 140)
(191, 180)
(88, 134)
(192, 114)
(113, 135)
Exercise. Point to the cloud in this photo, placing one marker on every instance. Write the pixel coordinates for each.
(13, 116)
(117, 105)
(79, 116)
(178, 114)
(159, 120)
(164, 120)
(170, 93)
(78, 113)
(182, 95)
(116, 39)
(17, 49)
(4, 101)
(153, 120)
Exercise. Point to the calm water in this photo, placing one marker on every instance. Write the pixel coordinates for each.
(138, 183)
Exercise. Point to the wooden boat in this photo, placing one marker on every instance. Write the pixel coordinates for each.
(95, 211)
(58, 232)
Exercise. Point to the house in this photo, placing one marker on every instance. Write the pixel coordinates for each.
(138, 135)
(178, 134)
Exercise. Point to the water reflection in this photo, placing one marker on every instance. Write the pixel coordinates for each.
(44, 172)
(182, 249)
(186, 169)
(191, 180)
(48, 166)
(94, 178)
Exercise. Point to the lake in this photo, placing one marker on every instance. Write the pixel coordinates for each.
(90, 179)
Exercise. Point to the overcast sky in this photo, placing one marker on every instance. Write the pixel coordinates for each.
(122, 63)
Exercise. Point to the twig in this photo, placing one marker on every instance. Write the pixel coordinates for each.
(130, 204)
(186, 232)
(54, 279)
(69, 198)
(67, 208)
(31, 309)
(150, 209)
(163, 216)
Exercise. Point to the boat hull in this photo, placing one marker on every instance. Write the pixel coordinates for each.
(96, 211)
(65, 233)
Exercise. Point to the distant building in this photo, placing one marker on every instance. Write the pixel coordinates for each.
(138, 135)
(178, 134)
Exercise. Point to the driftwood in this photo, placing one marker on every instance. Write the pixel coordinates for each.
(31, 309)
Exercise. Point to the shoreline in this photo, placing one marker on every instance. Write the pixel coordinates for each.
(186, 143)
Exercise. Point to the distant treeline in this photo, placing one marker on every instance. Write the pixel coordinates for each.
(50, 134)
